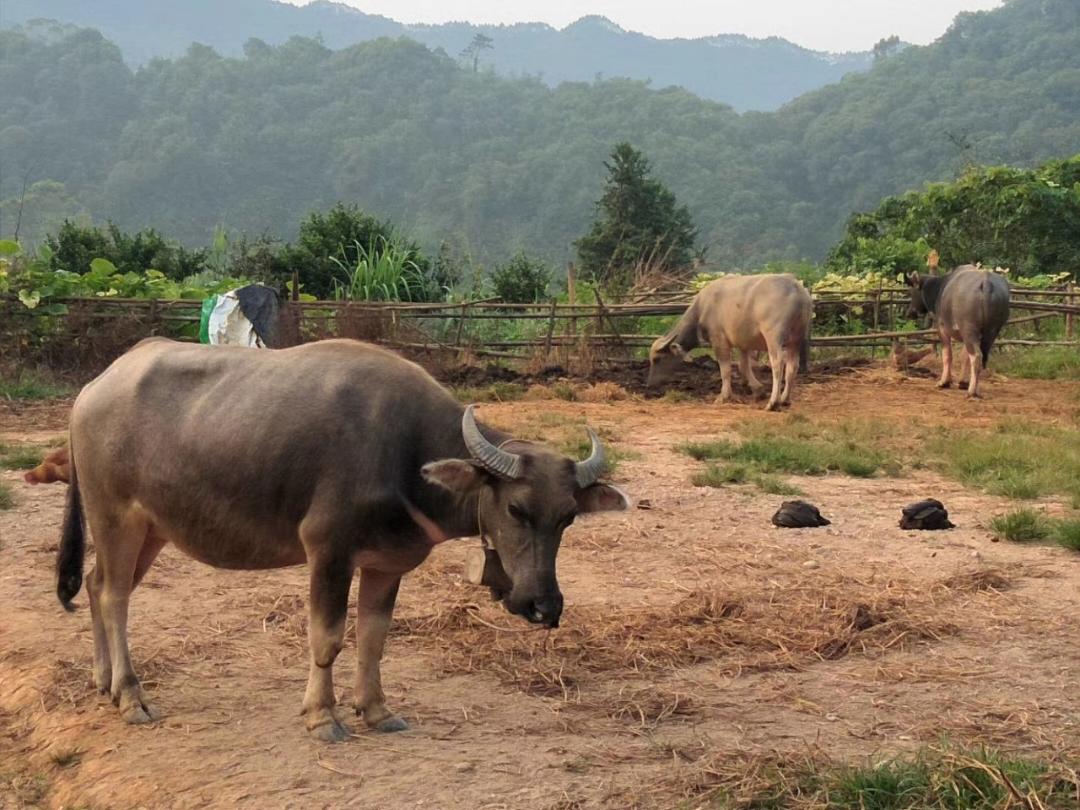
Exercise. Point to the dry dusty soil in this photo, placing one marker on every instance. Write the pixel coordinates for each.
(698, 640)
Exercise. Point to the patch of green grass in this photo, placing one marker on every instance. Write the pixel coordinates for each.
(6, 499)
(579, 446)
(1067, 533)
(20, 457)
(1021, 526)
(772, 485)
(946, 779)
(31, 385)
(495, 392)
(787, 454)
(563, 390)
(1039, 363)
(717, 475)
(1016, 459)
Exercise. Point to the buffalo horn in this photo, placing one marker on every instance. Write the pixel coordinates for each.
(504, 464)
(588, 472)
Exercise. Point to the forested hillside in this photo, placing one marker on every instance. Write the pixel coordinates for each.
(749, 74)
(494, 164)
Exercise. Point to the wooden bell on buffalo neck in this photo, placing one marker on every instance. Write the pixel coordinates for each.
(483, 567)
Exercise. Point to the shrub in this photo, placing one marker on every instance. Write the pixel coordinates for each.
(1021, 526)
(521, 280)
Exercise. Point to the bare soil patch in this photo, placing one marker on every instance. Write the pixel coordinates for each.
(699, 641)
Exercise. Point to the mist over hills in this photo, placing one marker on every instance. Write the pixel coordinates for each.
(494, 164)
(749, 74)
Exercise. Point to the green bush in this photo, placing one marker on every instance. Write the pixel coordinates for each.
(1021, 526)
(521, 280)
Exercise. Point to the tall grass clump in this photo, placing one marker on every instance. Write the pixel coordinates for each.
(383, 272)
(1021, 526)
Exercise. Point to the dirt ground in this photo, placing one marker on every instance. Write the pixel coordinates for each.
(696, 637)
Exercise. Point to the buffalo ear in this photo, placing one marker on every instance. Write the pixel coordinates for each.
(914, 280)
(676, 349)
(455, 475)
(601, 498)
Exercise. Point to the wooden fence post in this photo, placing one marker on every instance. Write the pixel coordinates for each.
(550, 333)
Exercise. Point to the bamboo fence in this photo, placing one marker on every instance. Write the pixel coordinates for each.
(551, 330)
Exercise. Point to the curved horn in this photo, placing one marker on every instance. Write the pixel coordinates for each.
(500, 462)
(588, 472)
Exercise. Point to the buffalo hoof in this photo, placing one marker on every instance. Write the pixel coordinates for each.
(138, 712)
(946, 384)
(332, 731)
(772, 406)
(391, 724)
(974, 396)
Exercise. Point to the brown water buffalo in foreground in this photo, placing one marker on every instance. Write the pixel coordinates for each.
(749, 313)
(338, 454)
(54, 468)
(969, 304)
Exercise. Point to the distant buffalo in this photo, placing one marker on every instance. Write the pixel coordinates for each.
(770, 311)
(968, 304)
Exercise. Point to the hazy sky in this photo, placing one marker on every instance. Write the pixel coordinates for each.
(832, 25)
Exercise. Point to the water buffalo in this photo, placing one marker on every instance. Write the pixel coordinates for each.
(53, 468)
(338, 454)
(968, 304)
(749, 313)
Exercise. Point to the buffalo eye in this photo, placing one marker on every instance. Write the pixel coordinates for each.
(519, 514)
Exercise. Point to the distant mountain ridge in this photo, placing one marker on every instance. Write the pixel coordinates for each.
(748, 74)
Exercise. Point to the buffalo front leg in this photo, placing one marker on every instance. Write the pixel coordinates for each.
(331, 578)
(723, 358)
(746, 369)
(946, 362)
(374, 611)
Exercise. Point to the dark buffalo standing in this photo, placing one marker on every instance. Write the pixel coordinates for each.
(969, 304)
(337, 454)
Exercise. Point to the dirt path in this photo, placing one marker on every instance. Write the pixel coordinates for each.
(693, 630)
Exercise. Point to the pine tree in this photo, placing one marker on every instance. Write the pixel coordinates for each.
(639, 224)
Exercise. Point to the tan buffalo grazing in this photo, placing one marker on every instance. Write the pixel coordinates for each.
(337, 454)
(970, 305)
(54, 468)
(748, 313)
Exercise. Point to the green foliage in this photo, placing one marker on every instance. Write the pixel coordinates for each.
(639, 224)
(521, 280)
(500, 164)
(75, 246)
(1024, 219)
(36, 283)
(1021, 526)
(346, 253)
(382, 272)
(773, 485)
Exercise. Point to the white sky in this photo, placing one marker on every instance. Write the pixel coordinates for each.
(828, 25)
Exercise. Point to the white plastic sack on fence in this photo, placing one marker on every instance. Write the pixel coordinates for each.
(226, 324)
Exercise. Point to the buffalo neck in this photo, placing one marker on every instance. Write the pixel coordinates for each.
(455, 515)
(931, 292)
(686, 330)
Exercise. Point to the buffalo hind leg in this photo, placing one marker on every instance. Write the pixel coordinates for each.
(102, 662)
(776, 363)
(973, 358)
(374, 609)
(791, 370)
(112, 581)
(331, 577)
(946, 362)
(746, 369)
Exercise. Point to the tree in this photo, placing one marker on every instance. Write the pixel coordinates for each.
(480, 42)
(639, 224)
(75, 246)
(886, 47)
(521, 280)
